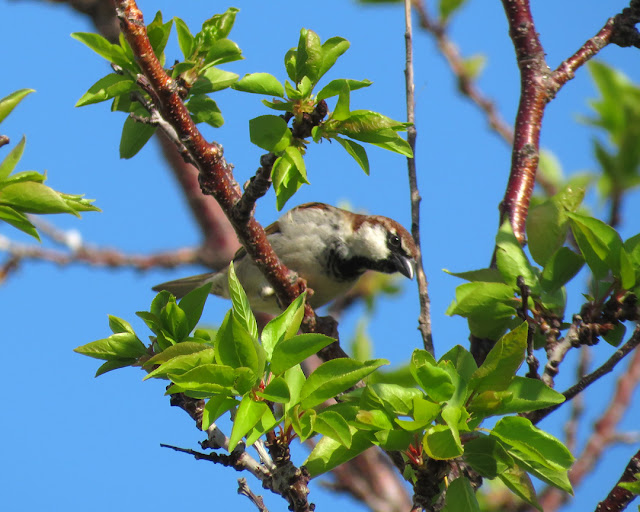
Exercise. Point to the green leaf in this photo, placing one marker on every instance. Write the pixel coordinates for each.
(533, 444)
(9, 102)
(11, 160)
(186, 41)
(211, 80)
(181, 349)
(224, 50)
(511, 260)
(439, 443)
(560, 268)
(599, 243)
(460, 495)
(474, 65)
(134, 136)
(181, 363)
(294, 350)
(158, 33)
(356, 151)
(270, 133)
(284, 326)
(113, 364)
(288, 175)
(490, 307)
(205, 110)
(334, 87)
(241, 307)
(18, 220)
(332, 48)
(175, 322)
(111, 52)
(487, 456)
(234, 346)
(215, 407)
(249, 414)
(260, 83)
(530, 395)
(487, 275)
(502, 362)
(33, 197)
(462, 361)
(334, 377)
(397, 399)
(333, 425)
(119, 325)
(276, 391)
(124, 345)
(193, 303)
(329, 453)
(519, 483)
(615, 336)
(207, 378)
(633, 487)
(434, 380)
(309, 56)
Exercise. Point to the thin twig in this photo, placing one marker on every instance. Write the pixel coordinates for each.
(243, 489)
(619, 497)
(604, 434)
(589, 379)
(424, 319)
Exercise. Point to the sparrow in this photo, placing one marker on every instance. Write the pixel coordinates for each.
(330, 248)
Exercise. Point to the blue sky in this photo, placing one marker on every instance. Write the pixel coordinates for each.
(72, 441)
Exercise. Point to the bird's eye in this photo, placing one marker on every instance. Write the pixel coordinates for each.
(394, 240)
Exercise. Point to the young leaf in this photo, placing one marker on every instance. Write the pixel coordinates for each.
(111, 52)
(532, 443)
(276, 391)
(193, 303)
(124, 345)
(356, 151)
(260, 83)
(487, 456)
(33, 197)
(329, 453)
(119, 325)
(294, 350)
(288, 175)
(9, 102)
(502, 362)
(18, 220)
(249, 414)
(284, 326)
(205, 110)
(270, 133)
(134, 136)
(333, 425)
(180, 364)
(511, 260)
(175, 322)
(215, 407)
(11, 160)
(241, 307)
(439, 443)
(334, 87)
(560, 269)
(206, 378)
(461, 497)
(186, 41)
(435, 381)
(334, 377)
(212, 80)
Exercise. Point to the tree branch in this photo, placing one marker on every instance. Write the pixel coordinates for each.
(215, 176)
(619, 497)
(424, 319)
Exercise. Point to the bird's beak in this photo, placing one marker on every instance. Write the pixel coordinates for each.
(404, 265)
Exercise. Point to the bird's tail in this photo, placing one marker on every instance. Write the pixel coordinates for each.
(180, 287)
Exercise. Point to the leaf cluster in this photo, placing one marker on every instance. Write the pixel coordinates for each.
(24, 192)
(286, 135)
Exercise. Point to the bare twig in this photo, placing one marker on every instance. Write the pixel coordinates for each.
(589, 379)
(424, 319)
(603, 435)
(100, 257)
(4, 140)
(243, 489)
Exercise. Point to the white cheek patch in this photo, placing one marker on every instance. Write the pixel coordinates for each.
(371, 241)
